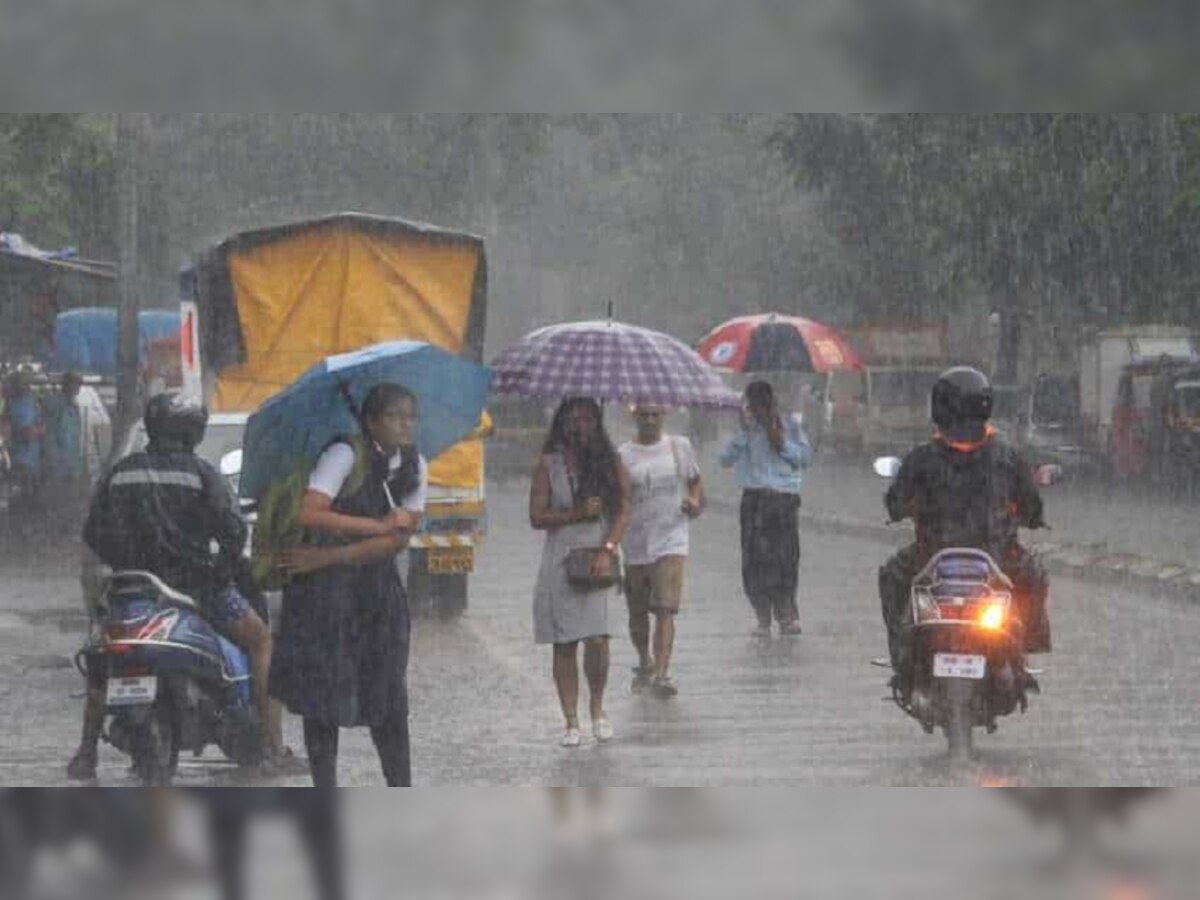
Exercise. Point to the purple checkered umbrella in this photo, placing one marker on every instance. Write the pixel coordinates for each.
(612, 362)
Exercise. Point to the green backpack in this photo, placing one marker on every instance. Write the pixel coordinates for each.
(277, 527)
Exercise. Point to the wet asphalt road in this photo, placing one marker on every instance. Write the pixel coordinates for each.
(648, 845)
(1118, 708)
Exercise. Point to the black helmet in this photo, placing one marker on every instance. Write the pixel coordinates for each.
(171, 417)
(962, 403)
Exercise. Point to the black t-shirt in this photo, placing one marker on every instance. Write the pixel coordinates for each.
(170, 514)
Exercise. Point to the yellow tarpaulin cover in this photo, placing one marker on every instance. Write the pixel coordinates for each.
(460, 465)
(335, 289)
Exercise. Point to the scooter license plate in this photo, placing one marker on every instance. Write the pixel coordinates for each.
(132, 691)
(955, 665)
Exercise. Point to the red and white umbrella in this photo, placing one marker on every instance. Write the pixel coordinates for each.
(777, 343)
(609, 361)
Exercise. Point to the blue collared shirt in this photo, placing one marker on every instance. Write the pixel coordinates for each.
(758, 467)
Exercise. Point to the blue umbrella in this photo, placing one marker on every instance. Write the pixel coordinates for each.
(298, 423)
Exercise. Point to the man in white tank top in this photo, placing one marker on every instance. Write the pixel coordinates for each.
(667, 494)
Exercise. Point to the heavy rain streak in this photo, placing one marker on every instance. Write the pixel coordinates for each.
(578, 452)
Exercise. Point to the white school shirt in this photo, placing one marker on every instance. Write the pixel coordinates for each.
(335, 466)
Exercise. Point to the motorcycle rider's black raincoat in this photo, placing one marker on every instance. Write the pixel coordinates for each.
(168, 512)
(965, 494)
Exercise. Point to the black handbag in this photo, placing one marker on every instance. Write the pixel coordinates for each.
(579, 569)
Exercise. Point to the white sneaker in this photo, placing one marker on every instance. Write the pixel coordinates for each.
(603, 730)
(572, 738)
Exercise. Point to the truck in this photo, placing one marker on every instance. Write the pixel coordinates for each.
(261, 307)
(885, 407)
(1117, 369)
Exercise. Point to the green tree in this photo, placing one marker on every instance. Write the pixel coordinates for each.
(1064, 221)
(56, 179)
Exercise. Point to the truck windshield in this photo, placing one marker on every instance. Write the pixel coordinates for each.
(902, 388)
(1187, 400)
(1055, 401)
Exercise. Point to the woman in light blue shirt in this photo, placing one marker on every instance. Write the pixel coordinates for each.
(768, 455)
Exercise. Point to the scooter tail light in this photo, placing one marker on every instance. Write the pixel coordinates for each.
(995, 613)
(992, 616)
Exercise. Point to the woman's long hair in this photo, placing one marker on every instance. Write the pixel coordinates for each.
(599, 475)
(380, 399)
(760, 395)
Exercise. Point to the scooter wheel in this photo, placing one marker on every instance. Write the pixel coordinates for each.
(155, 747)
(959, 719)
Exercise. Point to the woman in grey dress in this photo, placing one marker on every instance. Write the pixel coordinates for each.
(580, 498)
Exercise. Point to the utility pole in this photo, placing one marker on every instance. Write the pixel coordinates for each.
(128, 128)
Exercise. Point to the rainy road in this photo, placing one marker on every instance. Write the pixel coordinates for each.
(1118, 704)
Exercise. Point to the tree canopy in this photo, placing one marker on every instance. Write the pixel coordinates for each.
(1063, 220)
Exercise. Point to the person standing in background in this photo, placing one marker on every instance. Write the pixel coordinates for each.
(67, 484)
(769, 454)
(27, 430)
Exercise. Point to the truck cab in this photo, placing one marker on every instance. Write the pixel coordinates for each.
(1138, 431)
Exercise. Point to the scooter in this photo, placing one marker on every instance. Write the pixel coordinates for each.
(967, 666)
(172, 683)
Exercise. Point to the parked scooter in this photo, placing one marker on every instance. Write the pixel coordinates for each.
(967, 663)
(173, 683)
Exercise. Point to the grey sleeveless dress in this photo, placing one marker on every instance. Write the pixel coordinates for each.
(563, 614)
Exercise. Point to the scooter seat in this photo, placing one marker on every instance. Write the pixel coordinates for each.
(955, 567)
(141, 583)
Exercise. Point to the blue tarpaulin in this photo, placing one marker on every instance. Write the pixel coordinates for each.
(85, 340)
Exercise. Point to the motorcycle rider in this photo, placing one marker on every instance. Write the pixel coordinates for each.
(168, 512)
(964, 488)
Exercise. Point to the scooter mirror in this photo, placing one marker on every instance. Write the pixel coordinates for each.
(231, 463)
(1045, 476)
(887, 466)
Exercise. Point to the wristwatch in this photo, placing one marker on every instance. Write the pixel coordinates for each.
(609, 547)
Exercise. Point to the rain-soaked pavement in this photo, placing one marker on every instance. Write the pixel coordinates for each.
(509, 844)
(1118, 707)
